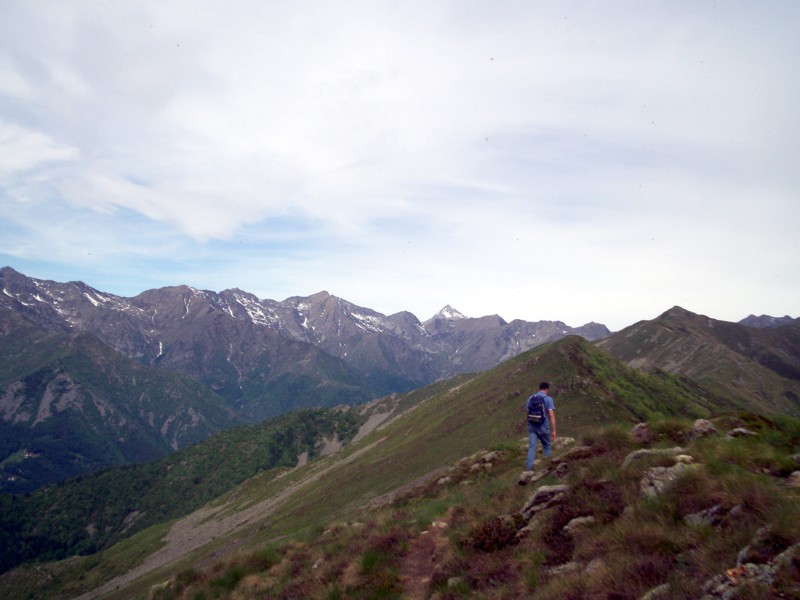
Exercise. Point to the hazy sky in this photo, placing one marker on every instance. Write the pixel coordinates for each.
(562, 160)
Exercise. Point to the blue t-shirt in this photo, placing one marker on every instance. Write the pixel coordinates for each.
(548, 406)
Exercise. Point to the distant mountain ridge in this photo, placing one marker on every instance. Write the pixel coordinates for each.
(766, 321)
(168, 326)
(254, 358)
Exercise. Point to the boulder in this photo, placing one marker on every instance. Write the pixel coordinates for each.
(576, 453)
(637, 455)
(709, 517)
(579, 523)
(661, 592)
(703, 428)
(543, 498)
(740, 432)
(642, 433)
(793, 480)
(560, 443)
(726, 584)
(761, 549)
(570, 568)
(658, 479)
(492, 456)
(455, 582)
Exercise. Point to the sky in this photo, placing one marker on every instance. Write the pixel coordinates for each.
(574, 161)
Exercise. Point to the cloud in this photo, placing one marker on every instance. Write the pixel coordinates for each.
(409, 153)
(22, 150)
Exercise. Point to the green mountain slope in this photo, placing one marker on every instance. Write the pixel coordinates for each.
(87, 514)
(432, 428)
(724, 526)
(758, 369)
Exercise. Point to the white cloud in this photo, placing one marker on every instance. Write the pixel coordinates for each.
(405, 153)
(23, 150)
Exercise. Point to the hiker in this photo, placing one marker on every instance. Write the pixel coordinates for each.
(541, 423)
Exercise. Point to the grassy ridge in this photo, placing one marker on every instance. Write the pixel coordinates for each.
(590, 390)
(631, 544)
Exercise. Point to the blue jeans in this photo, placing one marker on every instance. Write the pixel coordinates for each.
(541, 433)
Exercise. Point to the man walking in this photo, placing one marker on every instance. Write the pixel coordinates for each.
(541, 416)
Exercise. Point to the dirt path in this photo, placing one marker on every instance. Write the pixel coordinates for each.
(419, 564)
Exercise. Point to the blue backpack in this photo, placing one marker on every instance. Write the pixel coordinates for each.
(536, 410)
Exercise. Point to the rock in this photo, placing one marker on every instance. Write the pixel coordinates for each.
(561, 470)
(740, 432)
(579, 523)
(796, 458)
(439, 525)
(703, 428)
(709, 517)
(454, 582)
(660, 592)
(543, 498)
(492, 456)
(726, 584)
(793, 480)
(569, 568)
(735, 517)
(444, 481)
(637, 455)
(685, 459)
(527, 477)
(156, 590)
(761, 548)
(559, 444)
(577, 453)
(642, 433)
(658, 479)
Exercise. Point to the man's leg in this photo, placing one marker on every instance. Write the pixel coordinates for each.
(547, 446)
(532, 437)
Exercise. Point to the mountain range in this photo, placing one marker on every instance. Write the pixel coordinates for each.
(89, 379)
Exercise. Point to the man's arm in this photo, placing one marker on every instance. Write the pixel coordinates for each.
(552, 414)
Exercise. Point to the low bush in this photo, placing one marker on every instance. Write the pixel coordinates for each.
(495, 533)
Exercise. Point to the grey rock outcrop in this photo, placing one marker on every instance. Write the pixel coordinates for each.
(703, 428)
(638, 455)
(659, 479)
(542, 499)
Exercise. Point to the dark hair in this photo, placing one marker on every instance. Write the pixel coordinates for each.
(544, 386)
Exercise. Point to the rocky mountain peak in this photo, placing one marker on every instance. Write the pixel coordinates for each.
(449, 313)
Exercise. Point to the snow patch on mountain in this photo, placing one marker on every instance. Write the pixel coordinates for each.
(449, 313)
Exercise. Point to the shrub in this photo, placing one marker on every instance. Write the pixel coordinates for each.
(677, 431)
(495, 533)
(228, 580)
